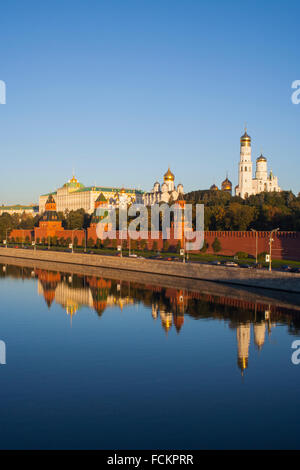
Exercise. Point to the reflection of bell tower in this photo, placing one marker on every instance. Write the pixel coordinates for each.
(243, 341)
(154, 311)
(259, 334)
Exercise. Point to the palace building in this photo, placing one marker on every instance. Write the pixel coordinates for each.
(164, 193)
(74, 195)
(19, 209)
(262, 181)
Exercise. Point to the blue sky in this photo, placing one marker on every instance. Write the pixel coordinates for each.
(120, 89)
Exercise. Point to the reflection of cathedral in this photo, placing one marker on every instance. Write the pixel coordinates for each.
(164, 193)
(168, 306)
(243, 334)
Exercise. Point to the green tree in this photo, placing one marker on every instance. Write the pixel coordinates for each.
(216, 245)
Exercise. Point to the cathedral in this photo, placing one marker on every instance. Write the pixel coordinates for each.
(262, 181)
(164, 193)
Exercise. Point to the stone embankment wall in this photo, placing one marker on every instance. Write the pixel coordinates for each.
(247, 277)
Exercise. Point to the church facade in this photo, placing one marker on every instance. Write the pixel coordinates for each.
(167, 192)
(263, 181)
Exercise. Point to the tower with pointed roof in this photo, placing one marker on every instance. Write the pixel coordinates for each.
(49, 223)
(245, 188)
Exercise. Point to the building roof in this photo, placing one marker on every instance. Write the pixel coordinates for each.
(109, 190)
(101, 198)
(261, 158)
(169, 176)
(47, 194)
(19, 207)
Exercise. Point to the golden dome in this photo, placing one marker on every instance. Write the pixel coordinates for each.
(226, 185)
(73, 180)
(214, 188)
(261, 158)
(122, 191)
(245, 137)
(168, 176)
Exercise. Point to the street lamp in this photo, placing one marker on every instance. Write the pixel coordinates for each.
(270, 243)
(256, 232)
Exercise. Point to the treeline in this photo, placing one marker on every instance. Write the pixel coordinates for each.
(264, 211)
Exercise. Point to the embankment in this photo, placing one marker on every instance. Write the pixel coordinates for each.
(288, 282)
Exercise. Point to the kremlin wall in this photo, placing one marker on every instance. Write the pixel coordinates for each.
(50, 230)
(285, 245)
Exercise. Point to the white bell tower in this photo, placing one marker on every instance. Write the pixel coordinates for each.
(245, 186)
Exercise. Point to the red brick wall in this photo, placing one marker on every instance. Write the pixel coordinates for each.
(286, 245)
(21, 234)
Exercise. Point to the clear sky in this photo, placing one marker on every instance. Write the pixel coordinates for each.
(120, 89)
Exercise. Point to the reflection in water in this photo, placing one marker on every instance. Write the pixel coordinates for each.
(169, 305)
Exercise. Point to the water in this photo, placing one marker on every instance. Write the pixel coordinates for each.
(93, 362)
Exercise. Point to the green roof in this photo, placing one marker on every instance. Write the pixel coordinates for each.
(101, 198)
(49, 194)
(108, 190)
(18, 207)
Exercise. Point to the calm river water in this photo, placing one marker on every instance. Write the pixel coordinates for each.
(93, 362)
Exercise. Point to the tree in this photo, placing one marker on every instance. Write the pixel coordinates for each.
(155, 246)
(90, 242)
(165, 245)
(216, 245)
(205, 247)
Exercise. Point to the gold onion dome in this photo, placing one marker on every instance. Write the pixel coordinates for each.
(226, 184)
(168, 176)
(245, 137)
(214, 187)
(261, 158)
(122, 191)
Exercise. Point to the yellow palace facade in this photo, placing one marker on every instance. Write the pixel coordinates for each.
(74, 195)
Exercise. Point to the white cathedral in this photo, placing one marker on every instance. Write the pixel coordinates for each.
(164, 193)
(262, 181)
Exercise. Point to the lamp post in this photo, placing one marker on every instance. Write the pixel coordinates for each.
(256, 234)
(270, 243)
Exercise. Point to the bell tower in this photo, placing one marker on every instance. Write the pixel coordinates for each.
(245, 186)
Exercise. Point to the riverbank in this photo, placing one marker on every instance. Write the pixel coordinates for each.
(283, 281)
